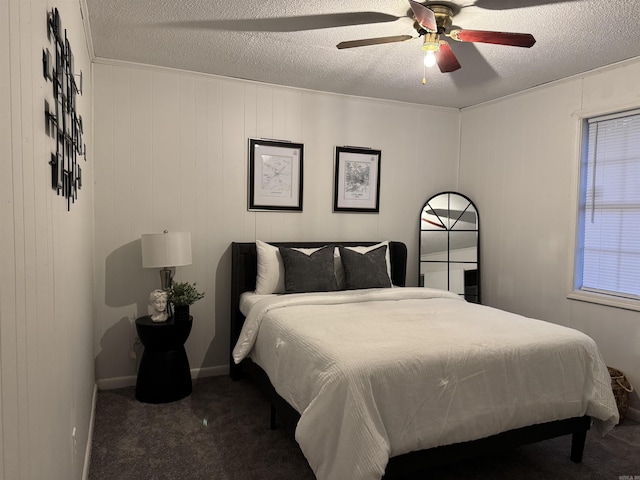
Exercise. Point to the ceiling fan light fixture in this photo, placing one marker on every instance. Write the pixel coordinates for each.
(430, 46)
(429, 59)
(433, 21)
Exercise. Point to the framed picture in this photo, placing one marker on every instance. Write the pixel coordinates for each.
(357, 182)
(275, 175)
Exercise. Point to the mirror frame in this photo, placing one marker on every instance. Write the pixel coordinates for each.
(472, 292)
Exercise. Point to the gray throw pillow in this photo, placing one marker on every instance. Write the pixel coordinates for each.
(308, 273)
(365, 270)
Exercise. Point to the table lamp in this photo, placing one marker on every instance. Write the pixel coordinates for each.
(166, 250)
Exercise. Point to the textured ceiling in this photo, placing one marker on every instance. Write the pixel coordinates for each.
(293, 43)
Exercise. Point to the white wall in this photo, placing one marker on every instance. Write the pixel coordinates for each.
(519, 163)
(171, 153)
(46, 260)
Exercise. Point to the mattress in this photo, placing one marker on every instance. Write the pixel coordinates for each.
(382, 372)
(249, 299)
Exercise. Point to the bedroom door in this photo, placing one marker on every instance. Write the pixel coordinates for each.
(450, 245)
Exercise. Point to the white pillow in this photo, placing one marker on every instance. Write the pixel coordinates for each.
(270, 278)
(339, 270)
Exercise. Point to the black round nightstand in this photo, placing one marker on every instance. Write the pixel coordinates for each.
(164, 374)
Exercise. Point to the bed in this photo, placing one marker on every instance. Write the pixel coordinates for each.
(380, 407)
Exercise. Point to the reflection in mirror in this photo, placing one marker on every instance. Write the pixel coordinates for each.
(434, 275)
(449, 245)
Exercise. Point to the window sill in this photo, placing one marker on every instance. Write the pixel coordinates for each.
(602, 299)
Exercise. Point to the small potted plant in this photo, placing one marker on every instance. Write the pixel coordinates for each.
(182, 295)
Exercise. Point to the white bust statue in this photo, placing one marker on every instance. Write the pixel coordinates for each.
(158, 302)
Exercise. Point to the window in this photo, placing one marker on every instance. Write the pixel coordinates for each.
(608, 248)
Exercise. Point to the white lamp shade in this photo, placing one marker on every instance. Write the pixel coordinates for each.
(169, 249)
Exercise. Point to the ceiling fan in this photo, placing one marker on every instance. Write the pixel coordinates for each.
(433, 22)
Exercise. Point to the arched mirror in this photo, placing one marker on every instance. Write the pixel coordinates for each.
(450, 245)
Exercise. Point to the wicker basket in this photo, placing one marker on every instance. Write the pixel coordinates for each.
(621, 389)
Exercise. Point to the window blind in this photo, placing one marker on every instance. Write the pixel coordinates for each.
(611, 206)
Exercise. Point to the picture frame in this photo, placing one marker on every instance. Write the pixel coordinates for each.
(275, 175)
(357, 180)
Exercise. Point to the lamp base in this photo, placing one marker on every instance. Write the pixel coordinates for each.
(165, 278)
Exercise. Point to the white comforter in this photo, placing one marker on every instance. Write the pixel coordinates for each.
(381, 372)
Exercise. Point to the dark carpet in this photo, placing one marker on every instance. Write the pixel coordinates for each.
(221, 432)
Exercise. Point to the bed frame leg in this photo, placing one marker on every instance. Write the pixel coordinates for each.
(273, 423)
(577, 445)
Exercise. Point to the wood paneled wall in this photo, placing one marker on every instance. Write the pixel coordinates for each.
(46, 261)
(171, 153)
(519, 162)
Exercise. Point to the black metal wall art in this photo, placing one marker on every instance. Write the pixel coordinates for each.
(61, 119)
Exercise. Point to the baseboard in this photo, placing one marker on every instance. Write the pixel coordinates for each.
(196, 373)
(209, 371)
(116, 382)
(87, 452)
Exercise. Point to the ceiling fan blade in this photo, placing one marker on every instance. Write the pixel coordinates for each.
(504, 5)
(424, 16)
(446, 59)
(373, 41)
(288, 24)
(499, 38)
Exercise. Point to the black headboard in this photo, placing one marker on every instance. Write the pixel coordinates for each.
(244, 268)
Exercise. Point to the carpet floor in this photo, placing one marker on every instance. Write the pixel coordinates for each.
(221, 432)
